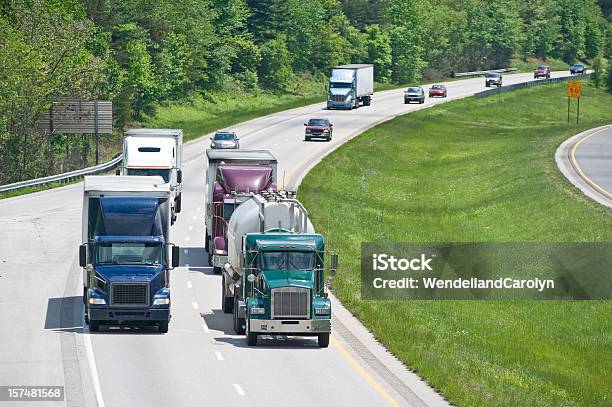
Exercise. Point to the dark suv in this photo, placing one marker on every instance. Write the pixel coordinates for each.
(578, 68)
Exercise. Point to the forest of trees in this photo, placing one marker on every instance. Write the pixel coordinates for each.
(139, 53)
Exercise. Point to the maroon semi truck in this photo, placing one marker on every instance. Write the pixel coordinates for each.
(231, 177)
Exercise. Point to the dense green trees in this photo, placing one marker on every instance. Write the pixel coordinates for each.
(140, 53)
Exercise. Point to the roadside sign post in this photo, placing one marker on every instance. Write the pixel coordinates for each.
(573, 91)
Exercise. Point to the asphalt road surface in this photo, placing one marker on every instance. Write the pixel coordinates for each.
(200, 362)
(592, 158)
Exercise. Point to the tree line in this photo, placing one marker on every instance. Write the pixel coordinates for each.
(140, 53)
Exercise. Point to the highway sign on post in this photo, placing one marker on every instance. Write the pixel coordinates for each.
(78, 116)
(573, 89)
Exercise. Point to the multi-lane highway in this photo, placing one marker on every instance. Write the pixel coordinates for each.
(200, 362)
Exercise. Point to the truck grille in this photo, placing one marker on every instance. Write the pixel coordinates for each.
(290, 302)
(338, 98)
(130, 294)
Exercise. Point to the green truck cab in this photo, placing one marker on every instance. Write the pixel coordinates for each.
(274, 281)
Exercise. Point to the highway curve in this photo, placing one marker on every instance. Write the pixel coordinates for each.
(200, 362)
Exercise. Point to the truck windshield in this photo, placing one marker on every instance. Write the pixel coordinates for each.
(129, 253)
(287, 260)
(163, 172)
(340, 85)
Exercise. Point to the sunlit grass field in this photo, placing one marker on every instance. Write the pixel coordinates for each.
(478, 170)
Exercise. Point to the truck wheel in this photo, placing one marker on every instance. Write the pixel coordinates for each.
(227, 303)
(323, 340)
(94, 326)
(251, 339)
(163, 327)
(179, 200)
(239, 323)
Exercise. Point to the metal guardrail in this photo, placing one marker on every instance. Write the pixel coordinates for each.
(65, 177)
(529, 84)
(480, 73)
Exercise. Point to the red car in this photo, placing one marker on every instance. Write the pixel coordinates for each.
(437, 90)
(542, 71)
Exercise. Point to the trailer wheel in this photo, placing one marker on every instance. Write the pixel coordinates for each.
(323, 340)
(163, 327)
(251, 339)
(179, 200)
(227, 303)
(239, 323)
(94, 326)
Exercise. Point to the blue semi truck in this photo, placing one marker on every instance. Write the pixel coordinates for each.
(126, 254)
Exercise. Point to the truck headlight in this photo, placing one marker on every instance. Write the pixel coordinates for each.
(323, 310)
(258, 310)
(96, 301)
(161, 301)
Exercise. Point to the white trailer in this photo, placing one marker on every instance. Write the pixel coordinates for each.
(156, 152)
(350, 85)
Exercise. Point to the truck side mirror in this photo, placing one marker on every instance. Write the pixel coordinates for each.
(175, 256)
(334, 263)
(179, 176)
(83, 255)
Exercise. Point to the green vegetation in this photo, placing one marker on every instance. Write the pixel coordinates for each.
(528, 64)
(145, 55)
(474, 170)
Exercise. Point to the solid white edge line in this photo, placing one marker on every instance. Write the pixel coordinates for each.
(238, 389)
(93, 370)
(219, 356)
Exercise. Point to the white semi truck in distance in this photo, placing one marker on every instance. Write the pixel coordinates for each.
(156, 152)
(350, 85)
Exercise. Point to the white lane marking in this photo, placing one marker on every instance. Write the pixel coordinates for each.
(190, 227)
(205, 327)
(219, 356)
(195, 305)
(93, 370)
(189, 284)
(187, 238)
(186, 251)
(238, 389)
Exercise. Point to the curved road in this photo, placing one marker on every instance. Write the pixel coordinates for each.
(586, 160)
(200, 362)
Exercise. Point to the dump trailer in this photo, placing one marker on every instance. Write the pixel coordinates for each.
(231, 177)
(273, 281)
(156, 152)
(126, 254)
(350, 85)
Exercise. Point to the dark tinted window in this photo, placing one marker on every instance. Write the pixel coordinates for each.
(225, 136)
(318, 122)
(149, 149)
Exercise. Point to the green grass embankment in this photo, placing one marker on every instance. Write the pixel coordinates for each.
(479, 170)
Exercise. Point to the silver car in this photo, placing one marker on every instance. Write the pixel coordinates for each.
(414, 94)
(225, 140)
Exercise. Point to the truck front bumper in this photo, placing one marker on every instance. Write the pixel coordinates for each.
(340, 105)
(293, 327)
(129, 316)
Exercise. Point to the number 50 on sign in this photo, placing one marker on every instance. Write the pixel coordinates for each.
(573, 89)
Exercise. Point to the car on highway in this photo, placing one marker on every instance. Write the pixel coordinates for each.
(225, 140)
(542, 71)
(414, 94)
(437, 90)
(493, 79)
(318, 128)
(577, 68)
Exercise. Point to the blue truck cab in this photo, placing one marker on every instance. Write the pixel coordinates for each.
(126, 254)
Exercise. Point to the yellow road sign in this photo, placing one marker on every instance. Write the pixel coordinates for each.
(573, 89)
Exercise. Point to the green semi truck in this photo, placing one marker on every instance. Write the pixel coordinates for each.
(274, 279)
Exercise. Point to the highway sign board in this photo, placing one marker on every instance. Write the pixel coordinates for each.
(78, 116)
(573, 89)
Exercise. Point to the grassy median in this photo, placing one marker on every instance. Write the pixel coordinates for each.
(474, 170)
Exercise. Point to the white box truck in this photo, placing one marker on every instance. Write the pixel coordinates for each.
(156, 152)
(350, 85)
